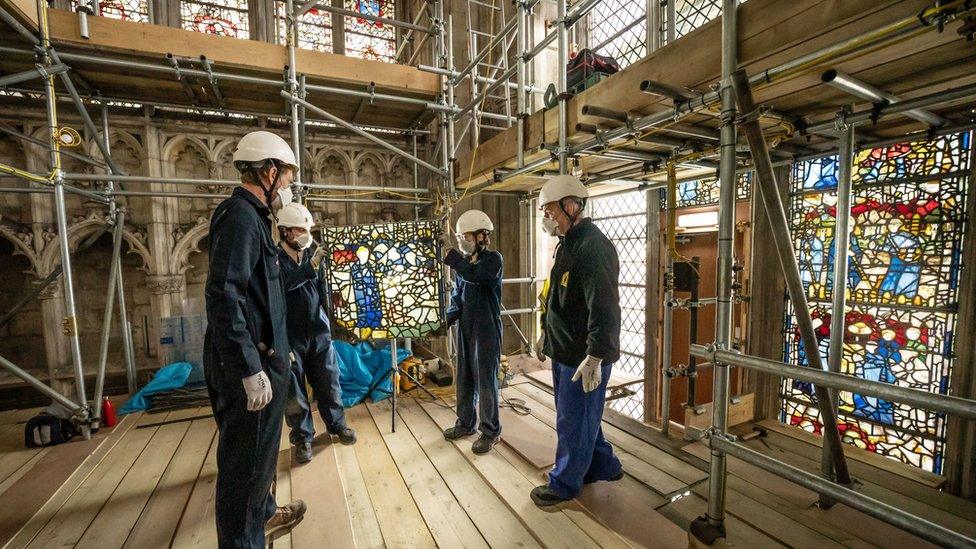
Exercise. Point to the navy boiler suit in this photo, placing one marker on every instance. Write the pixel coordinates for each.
(476, 303)
(582, 318)
(311, 344)
(245, 335)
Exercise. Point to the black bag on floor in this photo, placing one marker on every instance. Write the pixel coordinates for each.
(47, 429)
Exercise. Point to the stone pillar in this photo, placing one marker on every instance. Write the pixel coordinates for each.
(56, 349)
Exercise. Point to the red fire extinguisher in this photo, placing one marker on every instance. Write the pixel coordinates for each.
(108, 413)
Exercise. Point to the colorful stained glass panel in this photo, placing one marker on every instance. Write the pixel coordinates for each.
(907, 216)
(219, 17)
(385, 280)
(126, 10)
(314, 29)
(370, 39)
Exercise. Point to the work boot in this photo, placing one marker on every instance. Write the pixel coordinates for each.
(303, 452)
(542, 496)
(454, 433)
(285, 517)
(346, 435)
(483, 444)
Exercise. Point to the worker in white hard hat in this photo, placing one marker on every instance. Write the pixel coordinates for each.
(582, 337)
(310, 336)
(246, 347)
(476, 307)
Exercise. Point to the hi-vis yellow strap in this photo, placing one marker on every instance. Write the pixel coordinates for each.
(544, 297)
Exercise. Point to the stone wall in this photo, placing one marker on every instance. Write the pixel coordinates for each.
(165, 259)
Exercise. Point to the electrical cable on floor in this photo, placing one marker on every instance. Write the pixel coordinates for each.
(516, 404)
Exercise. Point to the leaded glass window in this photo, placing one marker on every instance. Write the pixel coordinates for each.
(314, 29)
(371, 39)
(623, 218)
(692, 14)
(907, 215)
(385, 280)
(219, 17)
(618, 28)
(126, 10)
(705, 191)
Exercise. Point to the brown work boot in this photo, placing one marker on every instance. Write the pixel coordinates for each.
(285, 517)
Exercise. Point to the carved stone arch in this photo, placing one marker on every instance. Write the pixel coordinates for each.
(120, 155)
(341, 155)
(369, 162)
(22, 239)
(188, 243)
(176, 143)
(83, 228)
(400, 173)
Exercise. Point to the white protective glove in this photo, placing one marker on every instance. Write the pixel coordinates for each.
(591, 373)
(258, 391)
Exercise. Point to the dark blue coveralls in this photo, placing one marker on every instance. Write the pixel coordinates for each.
(476, 303)
(582, 318)
(245, 334)
(311, 344)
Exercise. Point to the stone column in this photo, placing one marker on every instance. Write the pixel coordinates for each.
(56, 349)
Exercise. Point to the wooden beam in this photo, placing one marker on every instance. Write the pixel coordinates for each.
(110, 36)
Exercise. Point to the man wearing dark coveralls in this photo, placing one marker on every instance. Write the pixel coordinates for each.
(246, 346)
(309, 336)
(476, 307)
(582, 336)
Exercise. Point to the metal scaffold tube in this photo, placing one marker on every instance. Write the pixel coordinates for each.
(362, 134)
(712, 525)
(225, 182)
(962, 407)
(839, 302)
(562, 58)
(925, 529)
(70, 322)
(780, 229)
(107, 317)
(292, 84)
(521, 15)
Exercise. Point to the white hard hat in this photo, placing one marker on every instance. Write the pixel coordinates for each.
(560, 187)
(259, 146)
(472, 221)
(294, 214)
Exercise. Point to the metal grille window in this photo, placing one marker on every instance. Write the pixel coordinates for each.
(314, 29)
(220, 17)
(690, 15)
(370, 39)
(618, 28)
(623, 218)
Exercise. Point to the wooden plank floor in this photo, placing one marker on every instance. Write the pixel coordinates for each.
(148, 485)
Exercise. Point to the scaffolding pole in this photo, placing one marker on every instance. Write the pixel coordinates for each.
(113, 276)
(70, 322)
(776, 214)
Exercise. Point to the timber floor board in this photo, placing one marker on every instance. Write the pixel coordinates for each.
(154, 487)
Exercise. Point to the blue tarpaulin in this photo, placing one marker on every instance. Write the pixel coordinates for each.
(360, 366)
(172, 376)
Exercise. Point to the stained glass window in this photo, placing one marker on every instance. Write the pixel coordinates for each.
(907, 215)
(618, 28)
(385, 280)
(705, 191)
(623, 218)
(314, 29)
(220, 17)
(371, 39)
(126, 10)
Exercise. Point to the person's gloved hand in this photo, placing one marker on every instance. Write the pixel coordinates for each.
(539, 346)
(590, 372)
(452, 257)
(258, 391)
(318, 256)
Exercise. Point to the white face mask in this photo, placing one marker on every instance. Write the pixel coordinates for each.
(303, 240)
(466, 246)
(550, 226)
(283, 197)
